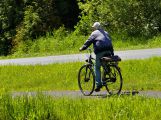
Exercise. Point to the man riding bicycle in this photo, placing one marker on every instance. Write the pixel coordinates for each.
(102, 47)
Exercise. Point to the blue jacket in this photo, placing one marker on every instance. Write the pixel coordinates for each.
(101, 42)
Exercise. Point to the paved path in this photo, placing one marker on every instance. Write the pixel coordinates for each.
(101, 94)
(125, 55)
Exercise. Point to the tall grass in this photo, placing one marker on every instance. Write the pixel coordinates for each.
(67, 42)
(137, 74)
(125, 43)
(61, 42)
(43, 107)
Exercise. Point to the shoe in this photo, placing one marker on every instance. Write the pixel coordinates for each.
(104, 83)
(98, 89)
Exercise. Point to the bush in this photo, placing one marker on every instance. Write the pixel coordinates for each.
(62, 41)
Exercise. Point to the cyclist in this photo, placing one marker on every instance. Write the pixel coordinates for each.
(102, 47)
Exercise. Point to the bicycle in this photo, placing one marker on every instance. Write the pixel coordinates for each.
(110, 71)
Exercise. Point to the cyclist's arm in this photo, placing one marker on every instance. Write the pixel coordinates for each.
(88, 42)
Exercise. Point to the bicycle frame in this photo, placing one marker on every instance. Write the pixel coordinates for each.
(90, 58)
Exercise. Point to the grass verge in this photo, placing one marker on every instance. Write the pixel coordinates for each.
(43, 107)
(137, 75)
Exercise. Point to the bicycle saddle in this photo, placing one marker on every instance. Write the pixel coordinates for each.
(114, 58)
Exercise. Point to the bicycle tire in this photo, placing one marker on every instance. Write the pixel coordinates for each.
(114, 83)
(86, 80)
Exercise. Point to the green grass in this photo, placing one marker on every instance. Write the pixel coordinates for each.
(142, 74)
(48, 77)
(43, 107)
(137, 75)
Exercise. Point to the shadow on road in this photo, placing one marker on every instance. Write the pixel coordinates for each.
(105, 95)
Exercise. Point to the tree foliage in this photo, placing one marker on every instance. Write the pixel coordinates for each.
(133, 17)
(10, 16)
(21, 20)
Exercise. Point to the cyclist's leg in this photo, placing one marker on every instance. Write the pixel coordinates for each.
(97, 69)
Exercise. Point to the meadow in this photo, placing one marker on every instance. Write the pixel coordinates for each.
(137, 75)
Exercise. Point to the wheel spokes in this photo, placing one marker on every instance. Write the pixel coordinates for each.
(86, 80)
(114, 81)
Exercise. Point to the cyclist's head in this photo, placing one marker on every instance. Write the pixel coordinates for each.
(96, 25)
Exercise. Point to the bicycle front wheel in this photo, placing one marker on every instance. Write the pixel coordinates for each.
(114, 80)
(86, 80)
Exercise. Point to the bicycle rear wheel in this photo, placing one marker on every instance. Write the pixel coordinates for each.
(86, 80)
(113, 80)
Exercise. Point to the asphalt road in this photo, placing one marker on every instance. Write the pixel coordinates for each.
(125, 55)
(101, 94)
